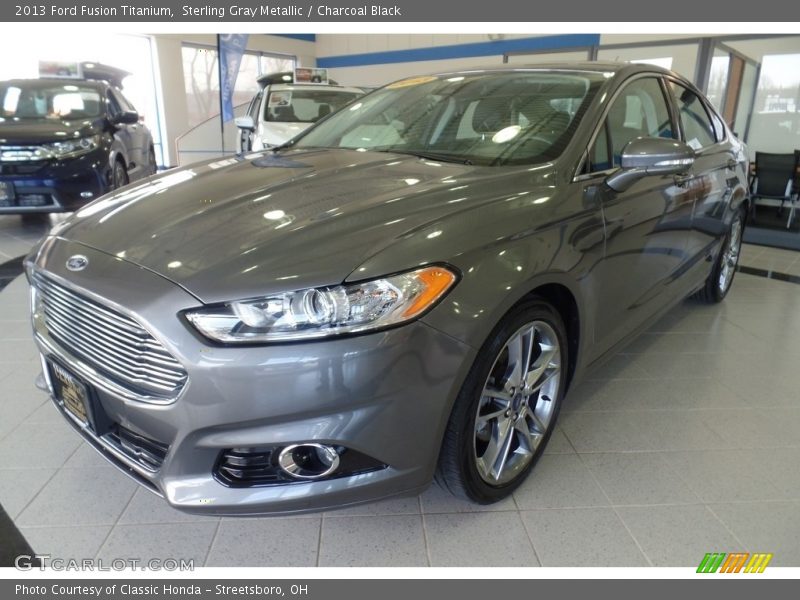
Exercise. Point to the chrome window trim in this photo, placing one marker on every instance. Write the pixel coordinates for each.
(577, 175)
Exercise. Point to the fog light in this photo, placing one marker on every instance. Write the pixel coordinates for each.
(308, 461)
(87, 195)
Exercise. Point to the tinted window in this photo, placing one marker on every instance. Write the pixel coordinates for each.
(599, 158)
(114, 108)
(697, 127)
(640, 110)
(123, 102)
(487, 118)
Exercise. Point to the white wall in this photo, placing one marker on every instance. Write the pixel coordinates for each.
(375, 75)
(684, 55)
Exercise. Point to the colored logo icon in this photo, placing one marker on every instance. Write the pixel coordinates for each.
(735, 562)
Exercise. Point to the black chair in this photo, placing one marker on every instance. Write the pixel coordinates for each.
(775, 179)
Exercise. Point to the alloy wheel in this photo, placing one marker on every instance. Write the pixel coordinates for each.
(517, 404)
(730, 255)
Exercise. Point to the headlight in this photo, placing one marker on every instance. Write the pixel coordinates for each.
(69, 148)
(325, 312)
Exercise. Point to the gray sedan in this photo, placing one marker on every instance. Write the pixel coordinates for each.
(405, 291)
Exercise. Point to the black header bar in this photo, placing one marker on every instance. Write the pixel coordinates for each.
(298, 11)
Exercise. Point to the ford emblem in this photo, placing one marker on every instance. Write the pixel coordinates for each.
(77, 262)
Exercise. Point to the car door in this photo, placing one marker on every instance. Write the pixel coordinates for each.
(646, 226)
(245, 135)
(122, 133)
(712, 178)
(138, 140)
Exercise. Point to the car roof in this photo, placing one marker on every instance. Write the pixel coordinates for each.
(583, 66)
(45, 81)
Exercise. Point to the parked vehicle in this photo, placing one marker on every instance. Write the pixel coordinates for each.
(282, 109)
(407, 290)
(65, 142)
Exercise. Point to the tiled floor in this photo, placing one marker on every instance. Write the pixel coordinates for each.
(686, 443)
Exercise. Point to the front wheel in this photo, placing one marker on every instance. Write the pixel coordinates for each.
(507, 407)
(152, 167)
(119, 176)
(721, 277)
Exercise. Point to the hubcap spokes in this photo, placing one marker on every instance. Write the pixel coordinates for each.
(518, 402)
(730, 256)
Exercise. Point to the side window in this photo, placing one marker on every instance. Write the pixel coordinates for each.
(124, 103)
(114, 109)
(599, 158)
(697, 126)
(255, 103)
(640, 110)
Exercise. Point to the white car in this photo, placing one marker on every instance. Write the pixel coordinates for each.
(283, 109)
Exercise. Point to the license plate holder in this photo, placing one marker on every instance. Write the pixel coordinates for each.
(71, 393)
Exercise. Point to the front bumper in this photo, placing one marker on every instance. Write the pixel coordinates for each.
(55, 186)
(386, 395)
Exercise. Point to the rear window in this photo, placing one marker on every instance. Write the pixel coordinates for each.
(304, 106)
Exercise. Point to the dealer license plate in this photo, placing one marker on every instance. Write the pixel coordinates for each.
(71, 392)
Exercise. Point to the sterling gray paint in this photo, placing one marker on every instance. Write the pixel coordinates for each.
(198, 235)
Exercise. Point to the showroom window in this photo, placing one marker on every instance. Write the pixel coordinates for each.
(775, 121)
(201, 79)
(698, 129)
(640, 110)
(718, 78)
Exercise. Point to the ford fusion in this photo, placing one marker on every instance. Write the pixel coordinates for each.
(404, 292)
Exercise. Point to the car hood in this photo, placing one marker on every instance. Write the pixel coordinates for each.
(41, 131)
(248, 226)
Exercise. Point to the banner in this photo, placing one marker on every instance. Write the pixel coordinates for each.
(231, 47)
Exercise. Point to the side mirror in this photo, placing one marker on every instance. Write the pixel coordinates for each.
(127, 117)
(650, 156)
(245, 122)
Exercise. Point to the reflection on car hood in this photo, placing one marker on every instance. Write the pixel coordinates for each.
(277, 132)
(40, 131)
(247, 226)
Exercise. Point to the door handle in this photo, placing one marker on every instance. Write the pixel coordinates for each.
(732, 163)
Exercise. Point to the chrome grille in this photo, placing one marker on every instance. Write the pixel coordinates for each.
(112, 343)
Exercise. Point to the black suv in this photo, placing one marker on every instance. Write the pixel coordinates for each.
(65, 142)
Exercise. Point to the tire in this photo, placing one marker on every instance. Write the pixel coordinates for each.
(151, 156)
(720, 279)
(119, 176)
(478, 421)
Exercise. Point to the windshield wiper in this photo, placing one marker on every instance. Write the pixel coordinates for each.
(283, 146)
(450, 158)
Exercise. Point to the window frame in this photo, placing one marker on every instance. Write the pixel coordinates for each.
(583, 163)
(717, 124)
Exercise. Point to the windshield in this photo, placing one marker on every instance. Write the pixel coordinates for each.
(48, 100)
(486, 118)
(305, 106)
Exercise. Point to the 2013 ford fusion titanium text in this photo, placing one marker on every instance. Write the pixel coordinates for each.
(406, 291)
